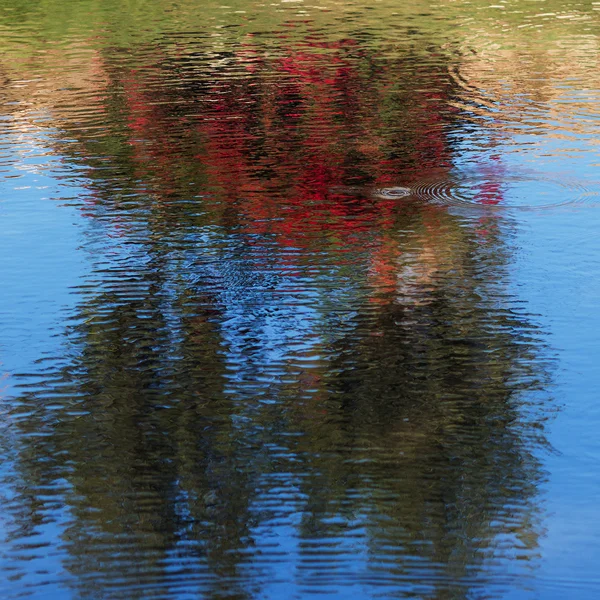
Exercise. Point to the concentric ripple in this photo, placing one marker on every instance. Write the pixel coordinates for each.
(392, 192)
(488, 191)
(518, 191)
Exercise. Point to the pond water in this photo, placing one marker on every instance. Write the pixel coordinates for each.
(299, 299)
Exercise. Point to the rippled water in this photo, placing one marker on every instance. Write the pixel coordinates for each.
(299, 300)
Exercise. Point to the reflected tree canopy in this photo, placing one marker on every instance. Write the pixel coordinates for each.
(271, 366)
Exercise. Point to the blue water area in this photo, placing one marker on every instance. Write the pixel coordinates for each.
(299, 301)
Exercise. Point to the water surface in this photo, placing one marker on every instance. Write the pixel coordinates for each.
(299, 300)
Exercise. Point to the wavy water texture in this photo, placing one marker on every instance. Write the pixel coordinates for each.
(267, 324)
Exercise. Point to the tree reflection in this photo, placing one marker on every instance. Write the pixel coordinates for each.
(255, 322)
(425, 416)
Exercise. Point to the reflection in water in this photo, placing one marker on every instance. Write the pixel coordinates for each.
(271, 379)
